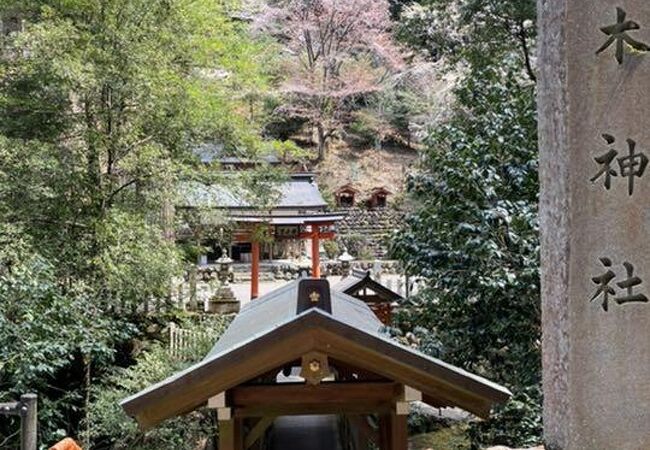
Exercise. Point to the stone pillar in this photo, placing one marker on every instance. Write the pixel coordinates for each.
(594, 110)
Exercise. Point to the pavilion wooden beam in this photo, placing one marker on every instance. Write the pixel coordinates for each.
(327, 393)
(301, 409)
(258, 431)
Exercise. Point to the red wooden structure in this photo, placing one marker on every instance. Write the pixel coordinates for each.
(315, 227)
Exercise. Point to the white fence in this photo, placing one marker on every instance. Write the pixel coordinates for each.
(399, 285)
(183, 343)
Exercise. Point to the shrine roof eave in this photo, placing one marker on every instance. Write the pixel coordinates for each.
(352, 284)
(269, 333)
(289, 219)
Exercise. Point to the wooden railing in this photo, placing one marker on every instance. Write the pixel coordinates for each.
(183, 344)
(27, 410)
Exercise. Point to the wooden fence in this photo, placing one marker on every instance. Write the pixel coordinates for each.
(27, 410)
(183, 344)
(406, 287)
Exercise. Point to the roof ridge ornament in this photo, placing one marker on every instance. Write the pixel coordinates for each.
(314, 293)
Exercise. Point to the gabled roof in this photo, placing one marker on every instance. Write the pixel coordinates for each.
(272, 331)
(353, 283)
(347, 188)
(300, 191)
(380, 190)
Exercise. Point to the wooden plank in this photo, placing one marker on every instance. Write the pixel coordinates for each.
(258, 431)
(410, 395)
(217, 401)
(324, 393)
(313, 409)
(224, 414)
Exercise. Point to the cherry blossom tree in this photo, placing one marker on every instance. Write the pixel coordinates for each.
(340, 51)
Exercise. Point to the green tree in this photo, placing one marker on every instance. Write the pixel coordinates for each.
(476, 32)
(102, 103)
(474, 233)
(48, 333)
(112, 428)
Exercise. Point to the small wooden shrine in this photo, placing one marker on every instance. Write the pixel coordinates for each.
(346, 366)
(346, 196)
(381, 299)
(379, 197)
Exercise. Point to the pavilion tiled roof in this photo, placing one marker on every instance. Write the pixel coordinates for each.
(275, 330)
(300, 191)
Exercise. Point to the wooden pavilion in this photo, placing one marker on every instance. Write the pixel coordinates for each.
(381, 299)
(346, 366)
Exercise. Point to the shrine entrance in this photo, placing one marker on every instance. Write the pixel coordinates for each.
(305, 433)
(305, 350)
(350, 408)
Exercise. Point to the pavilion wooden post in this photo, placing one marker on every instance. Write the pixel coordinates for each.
(393, 430)
(230, 434)
(315, 252)
(255, 270)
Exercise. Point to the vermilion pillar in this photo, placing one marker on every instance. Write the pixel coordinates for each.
(315, 253)
(255, 270)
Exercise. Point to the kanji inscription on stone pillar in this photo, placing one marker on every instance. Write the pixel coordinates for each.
(594, 113)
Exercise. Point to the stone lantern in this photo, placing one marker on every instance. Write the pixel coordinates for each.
(224, 266)
(346, 262)
(224, 300)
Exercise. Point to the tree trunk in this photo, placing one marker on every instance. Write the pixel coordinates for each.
(87, 359)
(322, 144)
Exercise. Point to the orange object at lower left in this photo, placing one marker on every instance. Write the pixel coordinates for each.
(66, 444)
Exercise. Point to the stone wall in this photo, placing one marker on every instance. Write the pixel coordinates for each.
(366, 231)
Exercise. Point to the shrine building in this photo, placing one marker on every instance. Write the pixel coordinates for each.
(380, 299)
(297, 221)
(305, 350)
